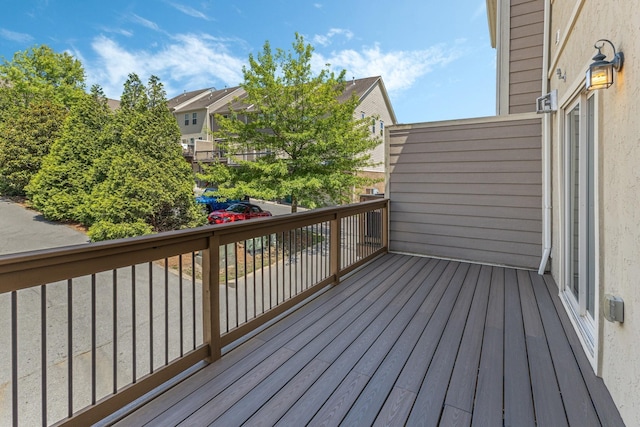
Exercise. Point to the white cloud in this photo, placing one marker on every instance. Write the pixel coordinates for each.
(399, 69)
(16, 37)
(190, 11)
(317, 5)
(175, 63)
(144, 22)
(325, 39)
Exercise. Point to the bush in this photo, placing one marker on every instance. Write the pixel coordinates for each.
(105, 230)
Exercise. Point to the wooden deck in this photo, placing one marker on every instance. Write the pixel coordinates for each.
(404, 341)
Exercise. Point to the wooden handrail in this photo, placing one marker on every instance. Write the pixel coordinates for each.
(43, 267)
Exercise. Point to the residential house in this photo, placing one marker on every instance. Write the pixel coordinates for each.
(555, 191)
(452, 324)
(195, 112)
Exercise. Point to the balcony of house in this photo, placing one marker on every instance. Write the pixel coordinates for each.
(292, 320)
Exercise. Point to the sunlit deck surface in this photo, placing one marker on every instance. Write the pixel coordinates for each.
(404, 341)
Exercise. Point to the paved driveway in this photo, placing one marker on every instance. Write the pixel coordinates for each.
(24, 230)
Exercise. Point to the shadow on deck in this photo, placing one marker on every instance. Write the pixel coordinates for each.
(405, 340)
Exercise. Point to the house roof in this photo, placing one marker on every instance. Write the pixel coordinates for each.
(203, 101)
(177, 101)
(361, 87)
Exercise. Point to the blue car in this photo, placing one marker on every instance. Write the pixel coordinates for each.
(210, 202)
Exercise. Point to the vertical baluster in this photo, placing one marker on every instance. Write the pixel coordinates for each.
(69, 347)
(93, 340)
(193, 296)
(14, 356)
(269, 272)
(180, 297)
(43, 358)
(235, 252)
(246, 285)
(134, 324)
(166, 311)
(115, 331)
(253, 256)
(226, 281)
(150, 317)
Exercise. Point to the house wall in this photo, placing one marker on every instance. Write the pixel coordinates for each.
(467, 189)
(578, 24)
(525, 55)
(193, 131)
(374, 105)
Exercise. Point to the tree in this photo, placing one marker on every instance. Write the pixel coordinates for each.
(24, 142)
(61, 187)
(39, 74)
(142, 182)
(309, 146)
(37, 89)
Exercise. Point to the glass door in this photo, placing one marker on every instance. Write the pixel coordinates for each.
(580, 223)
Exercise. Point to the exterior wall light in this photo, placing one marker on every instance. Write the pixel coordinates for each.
(600, 72)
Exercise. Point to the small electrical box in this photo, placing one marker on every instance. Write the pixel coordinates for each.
(613, 308)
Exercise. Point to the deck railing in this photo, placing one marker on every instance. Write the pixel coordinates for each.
(88, 329)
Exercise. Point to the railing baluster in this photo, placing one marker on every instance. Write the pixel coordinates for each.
(133, 325)
(150, 317)
(115, 331)
(93, 340)
(70, 347)
(166, 311)
(43, 359)
(193, 296)
(14, 356)
(180, 297)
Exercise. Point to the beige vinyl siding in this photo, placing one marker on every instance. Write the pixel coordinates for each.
(525, 55)
(468, 190)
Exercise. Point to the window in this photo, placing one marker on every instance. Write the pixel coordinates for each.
(581, 253)
(186, 120)
(373, 125)
(381, 128)
(194, 119)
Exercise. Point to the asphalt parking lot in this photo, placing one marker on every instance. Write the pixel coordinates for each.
(22, 230)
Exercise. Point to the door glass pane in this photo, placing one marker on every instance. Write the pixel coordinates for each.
(590, 240)
(573, 128)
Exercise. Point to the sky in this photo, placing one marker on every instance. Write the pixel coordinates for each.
(435, 58)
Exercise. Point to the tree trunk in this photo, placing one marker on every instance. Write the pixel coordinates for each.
(294, 204)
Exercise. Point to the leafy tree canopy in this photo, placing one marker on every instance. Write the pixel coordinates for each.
(39, 73)
(303, 139)
(24, 142)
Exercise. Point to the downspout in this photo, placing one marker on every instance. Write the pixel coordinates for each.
(546, 147)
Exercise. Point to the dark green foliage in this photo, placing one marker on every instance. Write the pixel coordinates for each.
(61, 188)
(25, 140)
(121, 174)
(141, 175)
(310, 145)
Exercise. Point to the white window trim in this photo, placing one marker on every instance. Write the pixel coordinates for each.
(588, 330)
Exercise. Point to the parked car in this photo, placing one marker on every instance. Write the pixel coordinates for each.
(237, 212)
(210, 203)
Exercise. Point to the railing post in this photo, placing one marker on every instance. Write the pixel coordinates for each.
(335, 255)
(385, 225)
(211, 298)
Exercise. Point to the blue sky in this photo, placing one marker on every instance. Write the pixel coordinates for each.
(435, 57)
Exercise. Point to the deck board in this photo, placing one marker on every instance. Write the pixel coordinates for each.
(405, 340)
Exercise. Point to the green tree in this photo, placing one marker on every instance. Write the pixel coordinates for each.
(61, 187)
(142, 182)
(309, 145)
(25, 141)
(38, 74)
(37, 89)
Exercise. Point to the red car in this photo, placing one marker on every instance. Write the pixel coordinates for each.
(237, 212)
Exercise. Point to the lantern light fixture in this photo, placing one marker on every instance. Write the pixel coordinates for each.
(600, 72)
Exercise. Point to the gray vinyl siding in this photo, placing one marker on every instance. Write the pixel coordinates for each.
(525, 55)
(468, 190)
